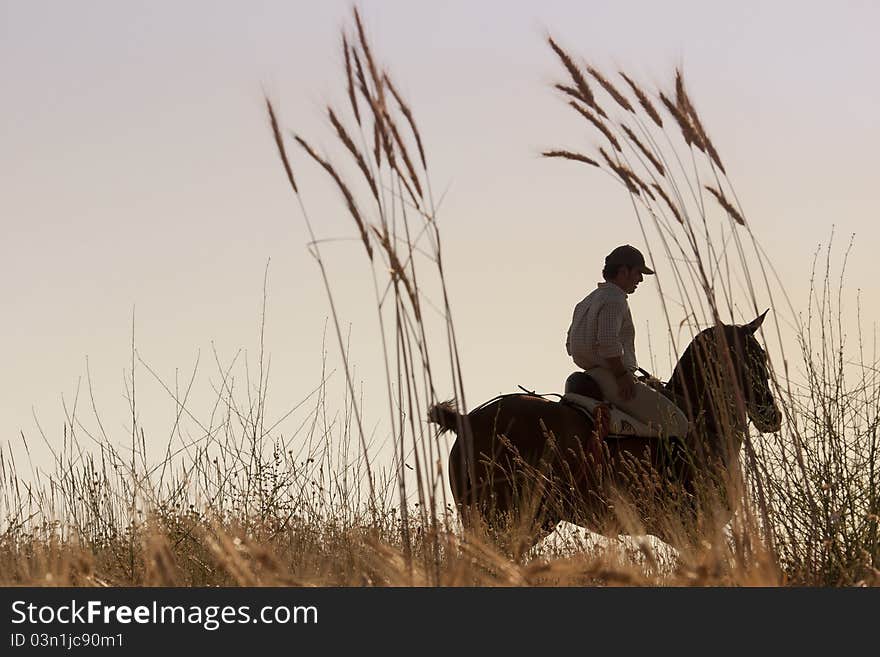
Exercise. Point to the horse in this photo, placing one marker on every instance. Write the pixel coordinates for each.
(534, 461)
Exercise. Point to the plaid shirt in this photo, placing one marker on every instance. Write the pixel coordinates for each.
(602, 327)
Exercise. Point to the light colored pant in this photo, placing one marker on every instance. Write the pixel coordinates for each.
(647, 405)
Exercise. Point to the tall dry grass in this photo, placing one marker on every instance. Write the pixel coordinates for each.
(232, 501)
(822, 474)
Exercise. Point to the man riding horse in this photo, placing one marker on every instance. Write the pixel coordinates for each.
(601, 340)
(535, 460)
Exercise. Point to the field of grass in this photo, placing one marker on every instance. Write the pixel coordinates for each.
(246, 506)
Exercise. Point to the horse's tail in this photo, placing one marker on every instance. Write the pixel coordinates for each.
(446, 415)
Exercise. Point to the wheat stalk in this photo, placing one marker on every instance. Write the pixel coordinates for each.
(569, 91)
(377, 145)
(687, 107)
(569, 155)
(397, 271)
(621, 171)
(410, 119)
(611, 89)
(640, 182)
(596, 122)
(352, 97)
(722, 200)
(687, 129)
(404, 154)
(669, 202)
(648, 154)
(279, 142)
(356, 154)
(371, 64)
(643, 100)
(349, 199)
(585, 94)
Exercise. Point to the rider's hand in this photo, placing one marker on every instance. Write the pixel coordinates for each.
(626, 385)
(653, 382)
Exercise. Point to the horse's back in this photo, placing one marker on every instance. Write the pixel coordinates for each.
(528, 415)
(526, 428)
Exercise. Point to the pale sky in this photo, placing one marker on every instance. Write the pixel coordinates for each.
(138, 172)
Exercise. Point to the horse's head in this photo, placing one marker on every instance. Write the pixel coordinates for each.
(750, 359)
(704, 361)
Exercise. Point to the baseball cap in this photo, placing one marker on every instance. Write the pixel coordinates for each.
(629, 256)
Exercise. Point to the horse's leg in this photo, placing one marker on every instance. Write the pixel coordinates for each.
(458, 476)
(517, 492)
(476, 502)
(510, 519)
(484, 505)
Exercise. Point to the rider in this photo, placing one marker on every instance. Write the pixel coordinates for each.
(601, 340)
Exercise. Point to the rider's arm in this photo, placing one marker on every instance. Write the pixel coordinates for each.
(609, 320)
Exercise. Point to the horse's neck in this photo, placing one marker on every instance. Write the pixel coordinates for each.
(699, 397)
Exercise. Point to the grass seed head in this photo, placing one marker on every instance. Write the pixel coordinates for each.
(619, 98)
(727, 205)
(346, 193)
(352, 96)
(596, 121)
(569, 155)
(279, 143)
(585, 94)
(647, 153)
(643, 100)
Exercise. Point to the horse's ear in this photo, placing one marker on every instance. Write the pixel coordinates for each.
(755, 324)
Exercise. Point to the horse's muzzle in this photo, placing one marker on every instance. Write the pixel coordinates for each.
(767, 419)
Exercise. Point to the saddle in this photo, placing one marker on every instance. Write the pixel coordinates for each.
(584, 394)
(581, 383)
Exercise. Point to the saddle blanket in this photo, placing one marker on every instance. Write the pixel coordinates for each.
(620, 423)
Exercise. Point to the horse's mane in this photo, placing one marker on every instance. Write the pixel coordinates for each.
(694, 384)
(703, 350)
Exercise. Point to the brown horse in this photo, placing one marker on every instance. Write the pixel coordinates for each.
(526, 459)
